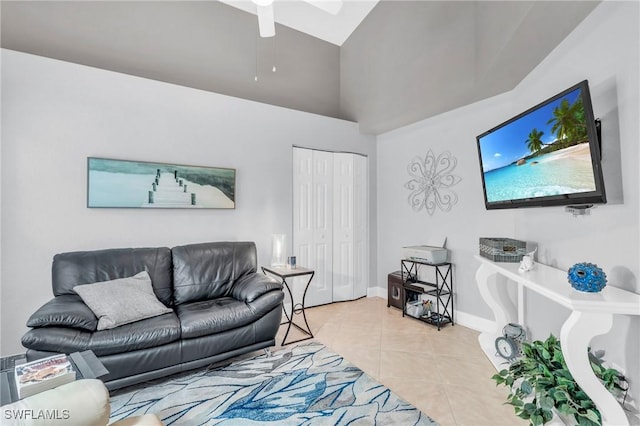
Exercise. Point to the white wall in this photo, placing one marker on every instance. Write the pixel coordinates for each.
(399, 225)
(604, 50)
(56, 114)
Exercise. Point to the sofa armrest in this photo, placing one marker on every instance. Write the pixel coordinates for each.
(251, 286)
(64, 311)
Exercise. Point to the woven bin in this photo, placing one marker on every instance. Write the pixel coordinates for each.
(502, 249)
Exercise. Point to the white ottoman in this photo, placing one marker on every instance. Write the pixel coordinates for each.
(81, 403)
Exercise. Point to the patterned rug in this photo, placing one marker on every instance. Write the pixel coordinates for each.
(304, 385)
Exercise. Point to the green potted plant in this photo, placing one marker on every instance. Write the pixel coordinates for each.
(540, 381)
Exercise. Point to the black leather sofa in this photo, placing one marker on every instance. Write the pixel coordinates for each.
(221, 308)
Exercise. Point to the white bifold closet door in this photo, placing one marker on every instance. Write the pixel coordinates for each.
(330, 223)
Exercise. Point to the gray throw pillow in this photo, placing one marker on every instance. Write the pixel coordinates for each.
(121, 301)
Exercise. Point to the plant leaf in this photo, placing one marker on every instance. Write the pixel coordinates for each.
(547, 415)
(560, 395)
(547, 403)
(537, 420)
(499, 379)
(516, 402)
(524, 415)
(545, 354)
(593, 416)
(529, 407)
(585, 421)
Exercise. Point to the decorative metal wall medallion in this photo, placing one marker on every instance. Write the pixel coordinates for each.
(431, 182)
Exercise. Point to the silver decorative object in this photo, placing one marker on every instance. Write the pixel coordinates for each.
(431, 182)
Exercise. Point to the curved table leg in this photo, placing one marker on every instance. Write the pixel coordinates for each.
(575, 336)
(289, 319)
(304, 298)
(489, 280)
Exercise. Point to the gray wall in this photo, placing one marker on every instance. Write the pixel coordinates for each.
(56, 114)
(202, 44)
(409, 60)
(604, 50)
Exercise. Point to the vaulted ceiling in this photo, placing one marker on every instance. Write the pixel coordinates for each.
(406, 60)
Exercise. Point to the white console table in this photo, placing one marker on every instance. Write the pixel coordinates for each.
(592, 315)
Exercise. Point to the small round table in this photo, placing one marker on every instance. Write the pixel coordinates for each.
(296, 308)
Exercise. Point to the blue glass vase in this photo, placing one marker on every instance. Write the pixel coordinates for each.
(587, 277)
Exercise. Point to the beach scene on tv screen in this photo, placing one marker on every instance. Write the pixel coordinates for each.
(543, 153)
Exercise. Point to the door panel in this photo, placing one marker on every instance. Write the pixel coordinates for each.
(343, 227)
(313, 179)
(360, 226)
(302, 200)
(331, 223)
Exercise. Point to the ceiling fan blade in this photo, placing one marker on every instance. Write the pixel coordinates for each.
(266, 21)
(330, 6)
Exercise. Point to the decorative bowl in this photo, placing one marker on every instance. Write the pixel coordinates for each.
(587, 277)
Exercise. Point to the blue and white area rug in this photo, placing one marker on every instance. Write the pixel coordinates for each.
(304, 385)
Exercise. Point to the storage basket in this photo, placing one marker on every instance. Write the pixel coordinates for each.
(415, 308)
(502, 249)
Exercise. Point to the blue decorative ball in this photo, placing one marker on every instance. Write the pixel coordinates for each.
(587, 277)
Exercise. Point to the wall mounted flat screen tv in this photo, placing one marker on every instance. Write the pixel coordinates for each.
(547, 156)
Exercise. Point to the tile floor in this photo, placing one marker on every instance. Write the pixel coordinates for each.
(443, 373)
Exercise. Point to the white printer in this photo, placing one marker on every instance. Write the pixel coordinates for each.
(427, 254)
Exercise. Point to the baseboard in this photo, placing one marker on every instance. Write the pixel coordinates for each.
(471, 321)
(377, 292)
(475, 322)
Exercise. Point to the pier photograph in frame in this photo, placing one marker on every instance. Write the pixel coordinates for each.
(139, 184)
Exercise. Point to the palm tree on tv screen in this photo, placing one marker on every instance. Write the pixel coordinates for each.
(568, 122)
(534, 140)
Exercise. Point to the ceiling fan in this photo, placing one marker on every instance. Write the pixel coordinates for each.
(266, 21)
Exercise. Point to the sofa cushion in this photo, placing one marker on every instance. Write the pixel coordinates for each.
(64, 311)
(226, 313)
(143, 334)
(86, 267)
(212, 316)
(121, 301)
(207, 271)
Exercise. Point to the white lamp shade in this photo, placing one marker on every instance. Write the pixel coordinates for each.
(278, 250)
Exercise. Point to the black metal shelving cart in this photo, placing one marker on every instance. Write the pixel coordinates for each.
(441, 290)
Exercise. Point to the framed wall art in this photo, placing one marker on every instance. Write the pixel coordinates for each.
(139, 184)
